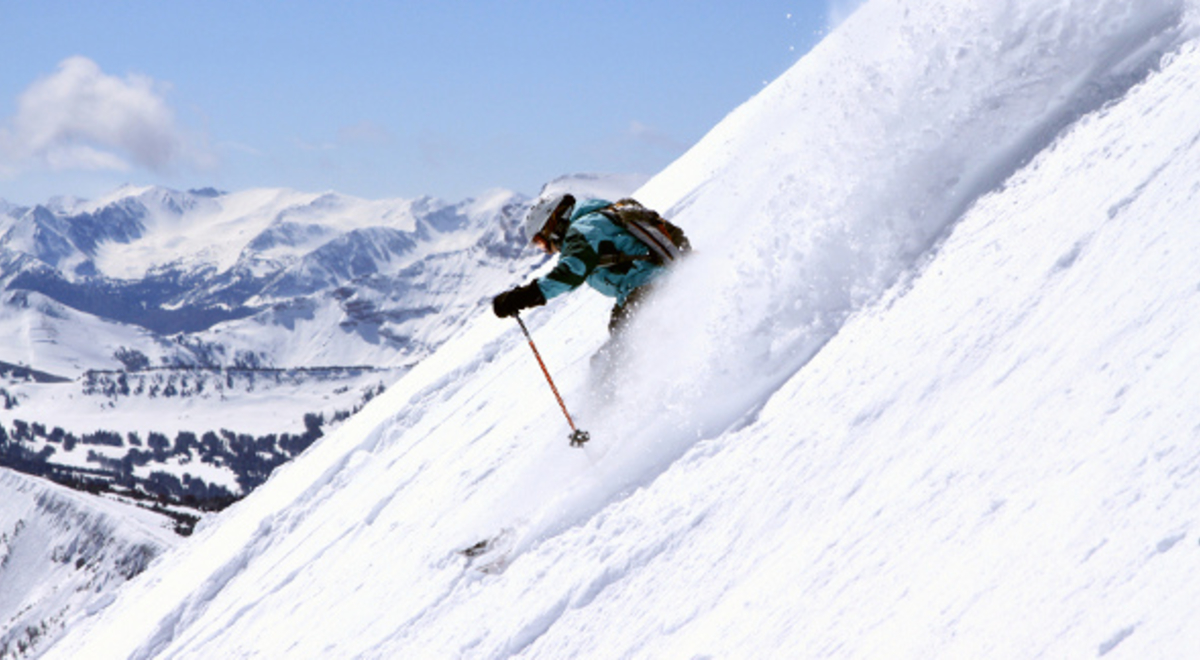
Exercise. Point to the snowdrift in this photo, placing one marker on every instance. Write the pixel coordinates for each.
(925, 391)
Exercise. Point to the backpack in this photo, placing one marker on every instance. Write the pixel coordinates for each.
(666, 241)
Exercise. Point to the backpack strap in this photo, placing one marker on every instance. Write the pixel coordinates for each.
(646, 226)
(655, 239)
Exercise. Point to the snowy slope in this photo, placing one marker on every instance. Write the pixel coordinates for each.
(925, 391)
(62, 555)
(62, 341)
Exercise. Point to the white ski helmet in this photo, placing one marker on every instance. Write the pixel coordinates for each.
(543, 210)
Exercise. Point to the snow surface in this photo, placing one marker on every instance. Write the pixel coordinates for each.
(925, 391)
(62, 554)
(51, 337)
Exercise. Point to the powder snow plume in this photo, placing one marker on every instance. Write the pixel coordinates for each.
(845, 172)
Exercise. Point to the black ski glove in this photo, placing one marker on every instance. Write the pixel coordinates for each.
(522, 297)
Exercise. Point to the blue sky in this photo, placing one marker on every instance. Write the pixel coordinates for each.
(374, 99)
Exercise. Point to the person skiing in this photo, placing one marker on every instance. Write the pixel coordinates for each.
(598, 245)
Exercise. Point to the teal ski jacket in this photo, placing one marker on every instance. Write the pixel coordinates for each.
(591, 235)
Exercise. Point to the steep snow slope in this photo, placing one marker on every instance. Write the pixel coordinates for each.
(849, 445)
(62, 554)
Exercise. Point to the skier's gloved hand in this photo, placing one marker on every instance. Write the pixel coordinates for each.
(522, 297)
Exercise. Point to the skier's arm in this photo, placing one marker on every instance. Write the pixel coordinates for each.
(575, 263)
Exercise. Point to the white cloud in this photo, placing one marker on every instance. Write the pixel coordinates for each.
(80, 118)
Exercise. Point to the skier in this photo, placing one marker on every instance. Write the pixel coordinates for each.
(598, 243)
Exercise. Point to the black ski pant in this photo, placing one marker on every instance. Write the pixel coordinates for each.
(622, 313)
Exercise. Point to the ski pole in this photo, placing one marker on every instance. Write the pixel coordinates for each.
(578, 436)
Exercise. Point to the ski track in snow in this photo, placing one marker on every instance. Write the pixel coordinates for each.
(955, 183)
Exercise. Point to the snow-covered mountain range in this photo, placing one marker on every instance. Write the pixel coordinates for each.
(255, 278)
(259, 278)
(924, 391)
(181, 345)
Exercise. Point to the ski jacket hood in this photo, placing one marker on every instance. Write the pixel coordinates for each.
(589, 236)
